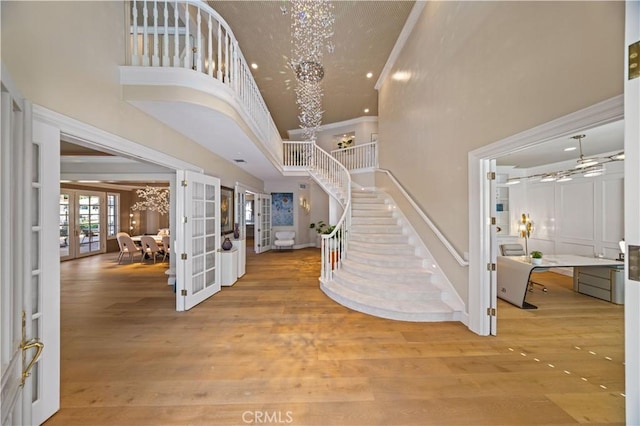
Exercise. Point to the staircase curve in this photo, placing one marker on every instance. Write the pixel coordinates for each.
(374, 261)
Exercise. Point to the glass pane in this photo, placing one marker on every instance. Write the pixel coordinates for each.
(35, 293)
(211, 226)
(211, 193)
(197, 246)
(198, 208)
(197, 283)
(211, 261)
(210, 209)
(211, 243)
(198, 265)
(35, 206)
(35, 250)
(211, 278)
(198, 191)
(35, 171)
(198, 228)
(35, 387)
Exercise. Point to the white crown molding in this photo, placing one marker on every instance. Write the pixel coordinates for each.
(99, 139)
(412, 19)
(330, 126)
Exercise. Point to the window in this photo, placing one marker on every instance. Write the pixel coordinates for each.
(113, 214)
(248, 211)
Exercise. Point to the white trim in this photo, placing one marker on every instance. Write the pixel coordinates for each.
(479, 251)
(8, 83)
(412, 19)
(632, 227)
(329, 126)
(100, 139)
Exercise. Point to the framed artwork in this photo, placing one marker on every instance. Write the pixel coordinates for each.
(226, 210)
(282, 208)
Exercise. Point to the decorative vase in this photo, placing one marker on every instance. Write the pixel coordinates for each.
(227, 244)
(236, 231)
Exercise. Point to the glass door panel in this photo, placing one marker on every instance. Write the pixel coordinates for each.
(65, 225)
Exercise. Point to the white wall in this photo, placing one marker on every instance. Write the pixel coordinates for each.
(476, 73)
(584, 216)
(317, 199)
(329, 134)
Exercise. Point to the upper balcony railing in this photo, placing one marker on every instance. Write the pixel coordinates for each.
(190, 34)
(358, 157)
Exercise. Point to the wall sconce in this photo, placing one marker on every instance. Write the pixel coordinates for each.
(304, 204)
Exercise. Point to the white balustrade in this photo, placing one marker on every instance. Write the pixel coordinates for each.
(203, 42)
(356, 157)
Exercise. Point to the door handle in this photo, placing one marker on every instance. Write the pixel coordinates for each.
(25, 346)
(33, 343)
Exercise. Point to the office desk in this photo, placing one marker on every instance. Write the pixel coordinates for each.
(514, 273)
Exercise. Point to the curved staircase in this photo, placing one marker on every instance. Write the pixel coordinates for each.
(385, 272)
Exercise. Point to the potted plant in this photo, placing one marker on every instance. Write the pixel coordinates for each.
(320, 227)
(536, 257)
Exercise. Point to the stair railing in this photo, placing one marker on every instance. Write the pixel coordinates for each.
(426, 219)
(190, 34)
(358, 157)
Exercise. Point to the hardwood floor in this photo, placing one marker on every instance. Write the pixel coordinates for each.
(273, 349)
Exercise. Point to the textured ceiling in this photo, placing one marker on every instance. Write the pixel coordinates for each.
(364, 35)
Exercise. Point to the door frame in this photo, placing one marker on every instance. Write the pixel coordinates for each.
(480, 253)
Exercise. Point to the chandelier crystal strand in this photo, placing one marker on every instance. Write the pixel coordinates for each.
(311, 31)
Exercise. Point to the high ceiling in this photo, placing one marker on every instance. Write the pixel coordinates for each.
(364, 35)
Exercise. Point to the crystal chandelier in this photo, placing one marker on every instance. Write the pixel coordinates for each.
(152, 198)
(311, 32)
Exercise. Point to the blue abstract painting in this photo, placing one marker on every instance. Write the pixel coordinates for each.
(282, 208)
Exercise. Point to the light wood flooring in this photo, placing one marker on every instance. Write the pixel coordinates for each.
(273, 349)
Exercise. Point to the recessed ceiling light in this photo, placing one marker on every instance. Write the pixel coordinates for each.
(254, 66)
(369, 74)
(571, 148)
(366, 110)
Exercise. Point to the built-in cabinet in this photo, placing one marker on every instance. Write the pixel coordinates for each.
(228, 267)
(503, 220)
(606, 283)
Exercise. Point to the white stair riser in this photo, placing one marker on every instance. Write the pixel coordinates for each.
(389, 261)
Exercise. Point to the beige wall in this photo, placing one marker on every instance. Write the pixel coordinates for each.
(65, 57)
(482, 71)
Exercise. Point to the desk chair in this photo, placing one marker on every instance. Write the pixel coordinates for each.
(518, 250)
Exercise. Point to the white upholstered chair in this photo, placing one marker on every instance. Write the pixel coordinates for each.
(285, 239)
(149, 247)
(166, 246)
(127, 246)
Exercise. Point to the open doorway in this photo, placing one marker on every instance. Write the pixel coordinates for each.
(483, 288)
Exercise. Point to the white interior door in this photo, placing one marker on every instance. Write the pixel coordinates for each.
(198, 238)
(12, 297)
(262, 240)
(30, 305)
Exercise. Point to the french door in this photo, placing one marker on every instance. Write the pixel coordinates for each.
(198, 239)
(82, 223)
(262, 241)
(30, 268)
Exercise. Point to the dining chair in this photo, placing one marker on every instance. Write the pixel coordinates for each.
(166, 246)
(127, 246)
(149, 247)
